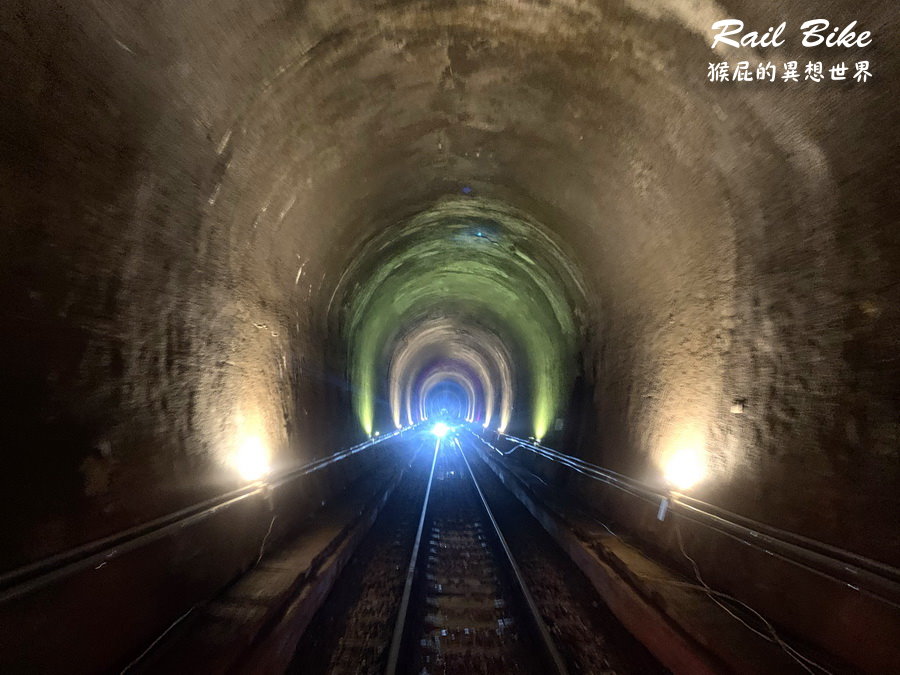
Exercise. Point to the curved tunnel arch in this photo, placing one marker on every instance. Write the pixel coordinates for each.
(438, 399)
(227, 177)
(471, 262)
(217, 222)
(672, 197)
(443, 340)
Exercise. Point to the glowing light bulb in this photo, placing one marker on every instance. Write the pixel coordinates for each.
(251, 459)
(440, 429)
(685, 468)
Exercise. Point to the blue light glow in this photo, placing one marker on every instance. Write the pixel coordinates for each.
(440, 429)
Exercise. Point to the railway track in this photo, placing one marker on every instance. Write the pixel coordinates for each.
(466, 608)
(436, 589)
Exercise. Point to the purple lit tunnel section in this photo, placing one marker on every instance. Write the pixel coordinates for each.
(447, 388)
(438, 353)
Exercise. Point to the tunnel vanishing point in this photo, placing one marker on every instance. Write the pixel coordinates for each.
(251, 249)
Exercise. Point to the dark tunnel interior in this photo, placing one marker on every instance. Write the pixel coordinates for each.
(241, 236)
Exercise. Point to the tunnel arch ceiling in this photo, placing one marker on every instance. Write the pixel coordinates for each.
(686, 209)
(462, 270)
(232, 175)
(433, 345)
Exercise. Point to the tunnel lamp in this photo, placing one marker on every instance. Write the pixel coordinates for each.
(684, 469)
(440, 429)
(251, 459)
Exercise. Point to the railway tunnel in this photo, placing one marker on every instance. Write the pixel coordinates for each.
(254, 252)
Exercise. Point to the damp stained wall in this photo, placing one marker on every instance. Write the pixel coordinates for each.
(185, 183)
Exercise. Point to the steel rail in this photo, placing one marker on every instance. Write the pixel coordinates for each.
(870, 577)
(546, 639)
(400, 624)
(28, 578)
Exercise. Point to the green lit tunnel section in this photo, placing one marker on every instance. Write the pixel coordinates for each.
(478, 265)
